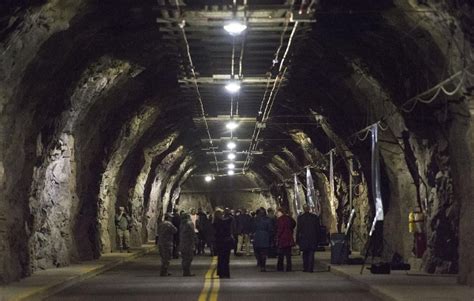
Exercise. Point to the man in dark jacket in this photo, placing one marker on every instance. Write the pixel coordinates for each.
(244, 229)
(307, 232)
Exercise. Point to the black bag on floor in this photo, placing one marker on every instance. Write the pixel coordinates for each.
(380, 268)
(400, 266)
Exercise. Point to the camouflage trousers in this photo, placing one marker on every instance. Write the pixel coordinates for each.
(187, 258)
(166, 253)
(123, 239)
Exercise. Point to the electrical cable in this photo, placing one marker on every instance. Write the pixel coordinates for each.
(272, 96)
(196, 85)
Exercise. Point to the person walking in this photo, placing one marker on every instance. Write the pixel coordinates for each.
(176, 221)
(284, 239)
(244, 229)
(166, 231)
(186, 243)
(307, 232)
(123, 224)
(262, 237)
(224, 242)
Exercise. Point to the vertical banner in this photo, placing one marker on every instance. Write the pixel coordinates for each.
(376, 173)
(310, 193)
(297, 200)
(332, 197)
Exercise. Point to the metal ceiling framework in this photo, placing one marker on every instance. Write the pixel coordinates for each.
(209, 57)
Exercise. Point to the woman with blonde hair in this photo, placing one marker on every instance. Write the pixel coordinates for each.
(224, 242)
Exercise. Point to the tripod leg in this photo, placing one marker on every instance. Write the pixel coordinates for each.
(366, 255)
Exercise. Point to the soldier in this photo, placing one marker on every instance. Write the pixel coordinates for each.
(176, 221)
(123, 223)
(166, 231)
(186, 243)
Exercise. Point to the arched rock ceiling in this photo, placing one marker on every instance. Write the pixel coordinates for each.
(106, 73)
(356, 63)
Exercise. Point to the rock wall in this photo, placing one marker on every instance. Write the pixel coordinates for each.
(235, 200)
(129, 136)
(160, 179)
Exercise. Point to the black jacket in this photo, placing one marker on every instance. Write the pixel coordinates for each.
(244, 224)
(307, 231)
(223, 233)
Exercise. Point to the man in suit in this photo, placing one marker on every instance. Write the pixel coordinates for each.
(307, 232)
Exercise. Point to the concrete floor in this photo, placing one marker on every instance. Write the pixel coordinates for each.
(139, 280)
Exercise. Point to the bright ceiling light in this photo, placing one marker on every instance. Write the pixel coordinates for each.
(231, 125)
(232, 87)
(235, 28)
(231, 156)
(208, 178)
(231, 166)
(231, 145)
(230, 172)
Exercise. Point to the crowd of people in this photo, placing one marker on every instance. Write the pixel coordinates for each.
(268, 233)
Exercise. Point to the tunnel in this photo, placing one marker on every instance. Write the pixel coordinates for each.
(153, 105)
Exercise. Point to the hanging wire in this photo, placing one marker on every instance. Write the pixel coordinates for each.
(196, 85)
(274, 91)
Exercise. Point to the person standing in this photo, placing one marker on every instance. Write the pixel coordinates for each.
(194, 219)
(272, 252)
(123, 224)
(224, 242)
(244, 229)
(166, 231)
(284, 239)
(186, 244)
(307, 233)
(202, 227)
(176, 221)
(262, 237)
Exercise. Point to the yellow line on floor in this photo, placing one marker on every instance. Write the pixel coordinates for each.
(208, 280)
(215, 287)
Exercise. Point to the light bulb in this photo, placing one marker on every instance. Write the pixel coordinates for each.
(230, 172)
(231, 145)
(232, 87)
(231, 125)
(208, 178)
(235, 28)
(231, 156)
(231, 166)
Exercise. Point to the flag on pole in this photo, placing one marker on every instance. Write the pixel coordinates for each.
(297, 200)
(376, 174)
(332, 197)
(311, 199)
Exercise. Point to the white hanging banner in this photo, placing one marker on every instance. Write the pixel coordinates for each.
(377, 195)
(297, 200)
(331, 181)
(311, 199)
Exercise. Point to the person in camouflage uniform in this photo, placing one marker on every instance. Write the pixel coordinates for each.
(123, 224)
(186, 243)
(166, 232)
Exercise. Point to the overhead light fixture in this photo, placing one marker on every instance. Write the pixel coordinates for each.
(231, 145)
(231, 166)
(208, 178)
(231, 156)
(231, 125)
(230, 172)
(233, 87)
(235, 28)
